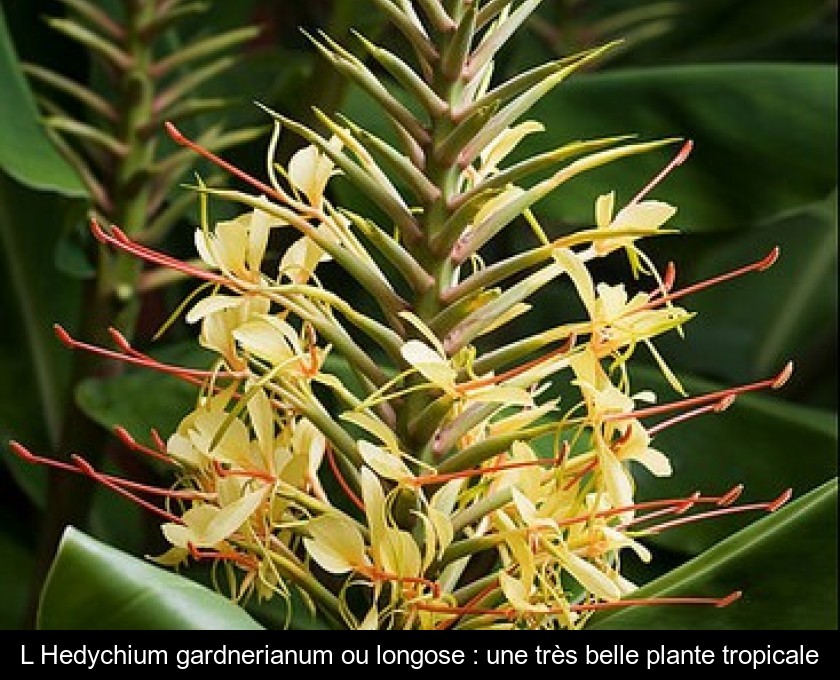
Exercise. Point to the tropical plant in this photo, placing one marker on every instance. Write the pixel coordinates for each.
(407, 457)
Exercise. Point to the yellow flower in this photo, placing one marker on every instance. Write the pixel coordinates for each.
(645, 216)
(237, 247)
(207, 525)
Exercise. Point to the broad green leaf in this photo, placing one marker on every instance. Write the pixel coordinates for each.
(25, 153)
(785, 565)
(33, 296)
(92, 586)
(762, 442)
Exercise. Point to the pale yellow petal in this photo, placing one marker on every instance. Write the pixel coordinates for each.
(604, 207)
(579, 275)
(259, 230)
(589, 576)
(517, 595)
(645, 215)
(430, 364)
(442, 524)
(656, 462)
(231, 246)
(202, 245)
(261, 415)
(375, 427)
(616, 540)
(194, 528)
(211, 305)
(507, 141)
(301, 259)
(400, 553)
(501, 394)
(384, 463)
(263, 340)
(228, 520)
(616, 481)
(335, 544)
(373, 499)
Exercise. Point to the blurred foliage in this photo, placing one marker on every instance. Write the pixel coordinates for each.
(752, 82)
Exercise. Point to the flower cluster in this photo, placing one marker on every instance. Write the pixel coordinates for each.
(398, 468)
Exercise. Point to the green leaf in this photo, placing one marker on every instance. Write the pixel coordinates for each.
(33, 296)
(762, 442)
(25, 153)
(785, 564)
(92, 586)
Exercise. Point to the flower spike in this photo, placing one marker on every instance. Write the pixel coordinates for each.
(402, 445)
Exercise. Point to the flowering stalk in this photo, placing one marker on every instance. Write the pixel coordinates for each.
(417, 498)
(114, 143)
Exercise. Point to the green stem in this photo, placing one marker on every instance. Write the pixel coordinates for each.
(69, 497)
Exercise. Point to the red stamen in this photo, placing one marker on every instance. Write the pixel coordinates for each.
(718, 407)
(759, 266)
(510, 612)
(26, 455)
(444, 625)
(246, 561)
(180, 139)
(423, 480)
(771, 506)
(158, 440)
(668, 280)
(88, 470)
(679, 159)
(721, 396)
(341, 481)
(671, 506)
(311, 370)
(671, 510)
(250, 474)
(783, 377)
(507, 612)
(623, 438)
(587, 468)
(512, 373)
(688, 503)
(379, 575)
(121, 341)
(717, 602)
(783, 498)
(119, 240)
(125, 437)
(137, 358)
(731, 496)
